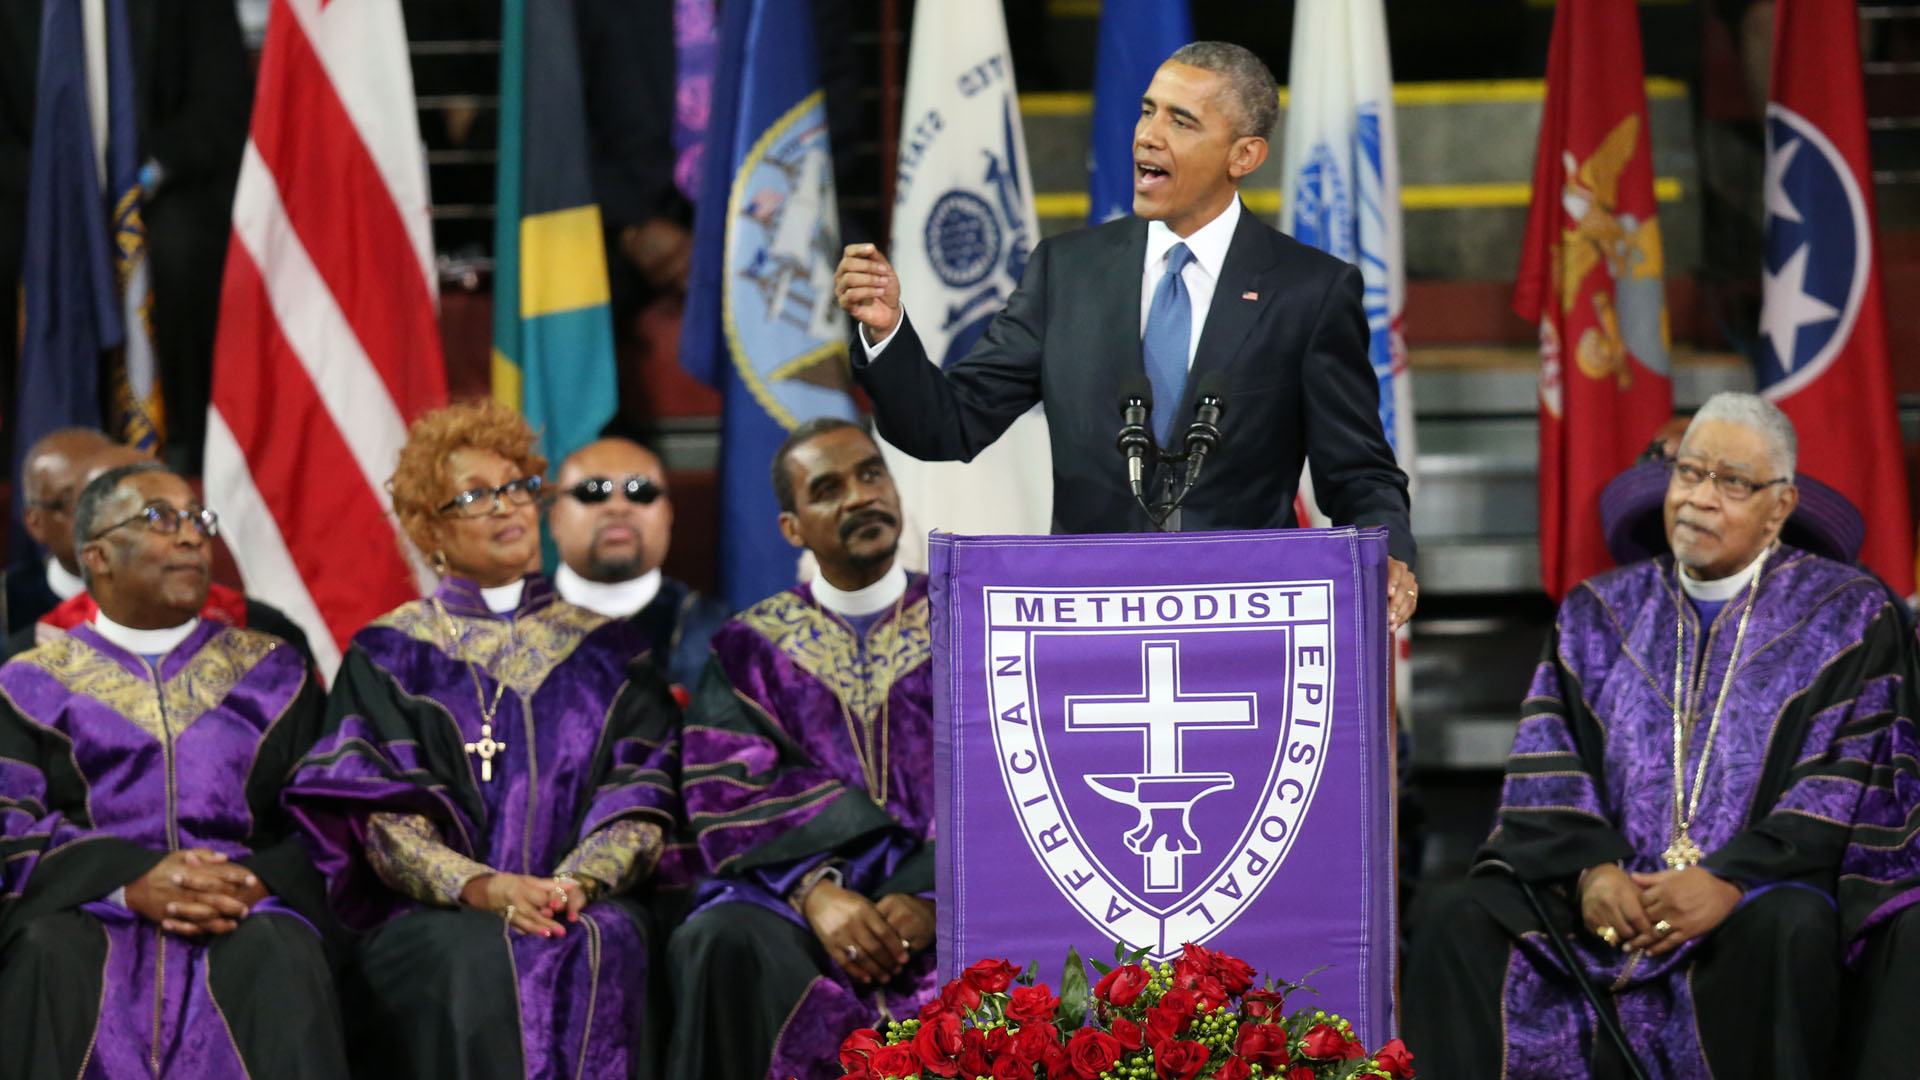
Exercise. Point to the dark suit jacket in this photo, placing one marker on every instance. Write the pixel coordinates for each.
(1297, 385)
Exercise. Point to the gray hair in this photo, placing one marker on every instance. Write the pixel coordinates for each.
(92, 503)
(1758, 414)
(1255, 94)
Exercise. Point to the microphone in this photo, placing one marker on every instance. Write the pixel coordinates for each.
(1203, 435)
(1135, 441)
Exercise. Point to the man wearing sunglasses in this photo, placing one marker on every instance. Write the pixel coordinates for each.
(157, 910)
(613, 523)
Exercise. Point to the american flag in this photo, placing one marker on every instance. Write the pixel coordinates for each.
(328, 343)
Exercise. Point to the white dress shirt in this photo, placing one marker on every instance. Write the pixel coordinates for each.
(143, 642)
(64, 585)
(1209, 244)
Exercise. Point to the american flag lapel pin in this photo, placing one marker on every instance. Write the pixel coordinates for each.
(1249, 296)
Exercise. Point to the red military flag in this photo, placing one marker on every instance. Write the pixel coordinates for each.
(328, 343)
(1822, 350)
(1590, 278)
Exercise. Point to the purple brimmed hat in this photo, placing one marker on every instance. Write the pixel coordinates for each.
(1632, 517)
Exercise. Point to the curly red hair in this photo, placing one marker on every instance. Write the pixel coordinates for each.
(421, 483)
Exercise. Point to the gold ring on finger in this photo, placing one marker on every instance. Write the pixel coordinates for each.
(508, 914)
(1663, 928)
(1608, 934)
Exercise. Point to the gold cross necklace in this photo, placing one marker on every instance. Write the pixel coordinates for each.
(1683, 852)
(487, 747)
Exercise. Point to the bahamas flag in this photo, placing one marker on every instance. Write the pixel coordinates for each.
(552, 329)
(761, 325)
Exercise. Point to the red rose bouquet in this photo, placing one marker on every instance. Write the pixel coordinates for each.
(1200, 1017)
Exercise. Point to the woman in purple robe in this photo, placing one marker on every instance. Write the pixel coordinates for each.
(809, 781)
(495, 785)
(1711, 801)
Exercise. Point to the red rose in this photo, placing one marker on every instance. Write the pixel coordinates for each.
(1262, 1044)
(1093, 1052)
(937, 1044)
(897, 1062)
(960, 995)
(1209, 994)
(856, 1047)
(1299, 1072)
(998, 1039)
(1181, 1003)
(1325, 1041)
(1163, 1026)
(1179, 1060)
(1262, 1004)
(990, 976)
(1032, 1003)
(1129, 1034)
(1032, 1042)
(1121, 986)
(974, 1062)
(855, 1071)
(1060, 1064)
(1186, 974)
(1012, 1068)
(1232, 1069)
(1396, 1059)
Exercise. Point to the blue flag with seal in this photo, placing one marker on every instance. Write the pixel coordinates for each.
(552, 326)
(69, 295)
(761, 324)
(1136, 37)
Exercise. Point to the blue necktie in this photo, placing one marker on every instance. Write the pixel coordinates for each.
(1164, 345)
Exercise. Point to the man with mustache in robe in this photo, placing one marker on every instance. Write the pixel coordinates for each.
(808, 778)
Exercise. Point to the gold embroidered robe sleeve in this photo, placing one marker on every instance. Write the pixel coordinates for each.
(406, 851)
(615, 856)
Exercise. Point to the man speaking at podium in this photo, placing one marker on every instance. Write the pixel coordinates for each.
(1191, 298)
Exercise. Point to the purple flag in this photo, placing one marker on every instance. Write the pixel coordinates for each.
(1168, 739)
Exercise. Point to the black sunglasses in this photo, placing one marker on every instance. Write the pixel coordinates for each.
(598, 489)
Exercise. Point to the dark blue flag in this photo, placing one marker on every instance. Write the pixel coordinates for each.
(71, 302)
(761, 324)
(1136, 37)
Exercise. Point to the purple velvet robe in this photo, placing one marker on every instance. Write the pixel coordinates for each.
(107, 763)
(800, 747)
(1806, 788)
(590, 741)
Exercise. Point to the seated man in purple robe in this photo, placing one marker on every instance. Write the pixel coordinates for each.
(157, 909)
(808, 778)
(1703, 802)
(495, 791)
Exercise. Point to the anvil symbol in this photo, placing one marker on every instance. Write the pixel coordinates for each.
(1162, 793)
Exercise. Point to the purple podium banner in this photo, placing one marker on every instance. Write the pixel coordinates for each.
(1161, 739)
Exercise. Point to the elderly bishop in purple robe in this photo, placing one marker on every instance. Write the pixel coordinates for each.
(494, 796)
(1710, 799)
(808, 777)
(158, 913)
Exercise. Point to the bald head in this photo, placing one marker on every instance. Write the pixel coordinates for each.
(604, 534)
(52, 475)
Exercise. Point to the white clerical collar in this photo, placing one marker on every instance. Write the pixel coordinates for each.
(64, 585)
(1209, 243)
(1725, 588)
(614, 599)
(143, 642)
(876, 597)
(504, 598)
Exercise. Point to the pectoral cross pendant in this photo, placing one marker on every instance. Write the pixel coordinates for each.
(487, 747)
(1682, 853)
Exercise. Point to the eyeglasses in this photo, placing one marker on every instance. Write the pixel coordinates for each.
(1732, 485)
(166, 520)
(481, 501)
(598, 489)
